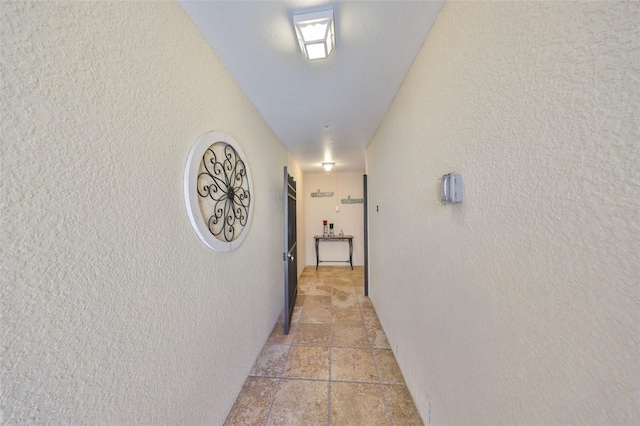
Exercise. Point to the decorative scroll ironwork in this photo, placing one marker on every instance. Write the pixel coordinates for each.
(319, 194)
(350, 200)
(223, 179)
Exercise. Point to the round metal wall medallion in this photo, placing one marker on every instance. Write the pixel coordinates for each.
(218, 191)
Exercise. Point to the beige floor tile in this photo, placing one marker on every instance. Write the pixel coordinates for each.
(346, 301)
(309, 272)
(271, 361)
(353, 364)
(343, 290)
(387, 366)
(370, 318)
(318, 289)
(349, 335)
(253, 403)
(317, 301)
(278, 337)
(308, 282)
(357, 282)
(312, 335)
(308, 362)
(347, 316)
(377, 338)
(295, 316)
(357, 404)
(334, 333)
(327, 277)
(316, 315)
(365, 302)
(339, 281)
(335, 270)
(300, 402)
(403, 410)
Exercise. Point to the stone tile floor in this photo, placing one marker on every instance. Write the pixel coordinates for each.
(335, 367)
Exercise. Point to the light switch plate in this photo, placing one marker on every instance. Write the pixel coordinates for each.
(337, 208)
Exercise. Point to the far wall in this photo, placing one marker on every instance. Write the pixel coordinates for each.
(349, 219)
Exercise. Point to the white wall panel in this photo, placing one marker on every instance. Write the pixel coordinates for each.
(520, 305)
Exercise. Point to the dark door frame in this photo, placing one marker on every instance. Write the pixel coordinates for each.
(290, 249)
(366, 235)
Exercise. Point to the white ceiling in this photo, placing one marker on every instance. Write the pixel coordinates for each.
(322, 110)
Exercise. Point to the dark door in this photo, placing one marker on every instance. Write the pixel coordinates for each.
(366, 235)
(290, 249)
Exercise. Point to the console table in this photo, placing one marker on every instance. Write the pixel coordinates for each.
(347, 238)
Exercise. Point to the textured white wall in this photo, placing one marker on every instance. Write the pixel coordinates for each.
(349, 219)
(112, 310)
(521, 305)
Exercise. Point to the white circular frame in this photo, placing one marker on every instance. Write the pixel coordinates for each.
(191, 191)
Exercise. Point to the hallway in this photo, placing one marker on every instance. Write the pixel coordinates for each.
(335, 367)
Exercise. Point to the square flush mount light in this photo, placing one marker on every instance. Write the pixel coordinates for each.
(315, 33)
(328, 166)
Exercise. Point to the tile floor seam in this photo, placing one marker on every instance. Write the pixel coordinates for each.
(375, 363)
(273, 398)
(330, 357)
(369, 382)
(305, 379)
(311, 346)
(350, 334)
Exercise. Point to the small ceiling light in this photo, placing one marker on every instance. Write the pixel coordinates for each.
(328, 166)
(315, 33)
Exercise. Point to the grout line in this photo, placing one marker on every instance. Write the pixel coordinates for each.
(314, 280)
(304, 379)
(315, 379)
(292, 328)
(375, 363)
(279, 377)
(266, 419)
(330, 356)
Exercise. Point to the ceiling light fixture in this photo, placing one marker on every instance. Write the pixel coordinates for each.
(328, 166)
(315, 33)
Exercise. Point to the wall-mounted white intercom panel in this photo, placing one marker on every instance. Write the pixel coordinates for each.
(451, 189)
